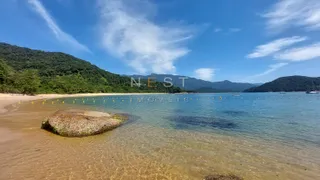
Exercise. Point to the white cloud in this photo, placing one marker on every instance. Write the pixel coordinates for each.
(229, 30)
(301, 53)
(271, 68)
(206, 74)
(60, 35)
(234, 30)
(128, 32)
(275, 46)
(217, 30)
(294, 13)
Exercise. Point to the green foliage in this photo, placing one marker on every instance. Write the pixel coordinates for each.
(27, 81)
(6, 77)
(5, 72)
(69, 84)
(35, 71)
(289, 84)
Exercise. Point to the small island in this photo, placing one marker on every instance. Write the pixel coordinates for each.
(80, 123)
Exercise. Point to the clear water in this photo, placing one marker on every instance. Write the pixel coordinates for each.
(292, 118)
(171, 136)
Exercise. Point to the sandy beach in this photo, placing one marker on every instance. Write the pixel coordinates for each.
(8, 99)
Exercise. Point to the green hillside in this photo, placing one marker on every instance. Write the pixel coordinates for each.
(55, 72)
(289, 84)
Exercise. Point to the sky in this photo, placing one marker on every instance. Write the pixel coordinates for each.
(255, 41)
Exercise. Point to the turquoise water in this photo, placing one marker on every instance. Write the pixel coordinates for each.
(292, 118)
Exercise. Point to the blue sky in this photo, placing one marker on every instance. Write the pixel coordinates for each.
(255, 41)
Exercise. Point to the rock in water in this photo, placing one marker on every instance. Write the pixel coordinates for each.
(78, 123)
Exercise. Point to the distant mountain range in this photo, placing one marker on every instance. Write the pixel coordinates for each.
(198, 85)
(289, 84)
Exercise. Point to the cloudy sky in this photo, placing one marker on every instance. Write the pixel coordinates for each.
(255, 41)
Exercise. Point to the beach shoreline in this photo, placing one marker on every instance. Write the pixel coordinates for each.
(7, 99)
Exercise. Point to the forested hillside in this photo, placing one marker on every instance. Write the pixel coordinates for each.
(23, 70)
(289, 84)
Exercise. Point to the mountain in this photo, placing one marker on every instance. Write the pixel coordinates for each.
(257, 84)
(288, 84)
(24, 70)
(231, 86)
(209, 90)
(198, 85)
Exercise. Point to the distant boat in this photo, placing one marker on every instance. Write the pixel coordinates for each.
(312, 92)
(282, 92)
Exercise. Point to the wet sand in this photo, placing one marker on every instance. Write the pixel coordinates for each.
(139, 151)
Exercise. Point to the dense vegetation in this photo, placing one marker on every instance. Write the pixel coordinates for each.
(26, 81)
(28, 71)
(289, 84)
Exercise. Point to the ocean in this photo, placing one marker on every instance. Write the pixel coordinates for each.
(292, 118)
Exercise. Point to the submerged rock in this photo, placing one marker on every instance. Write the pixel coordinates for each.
(185, 122)
(222, 177)
(235, 113)
(78, 123)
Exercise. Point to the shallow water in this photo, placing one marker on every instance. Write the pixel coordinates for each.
(254, 136)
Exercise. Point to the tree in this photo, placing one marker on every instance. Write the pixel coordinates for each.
(6, 77)
(27, 81)
(5, 72)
